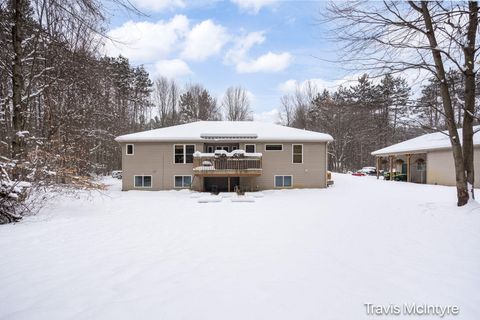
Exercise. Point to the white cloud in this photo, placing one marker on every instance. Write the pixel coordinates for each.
(145, 41)
(253, 6)
(165, 41)
(267, 116)
(288, 86)
(159, 5)
(172, 68)
(164, 45)
(269, 62)
(204, 40)
(242, 45)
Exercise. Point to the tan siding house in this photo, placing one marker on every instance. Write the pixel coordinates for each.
(426, 159)
(223, 156)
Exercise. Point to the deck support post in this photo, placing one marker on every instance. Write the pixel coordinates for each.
(378, 166)
(409, 178)
(391, 168)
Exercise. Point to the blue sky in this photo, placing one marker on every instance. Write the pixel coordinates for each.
(266, 46)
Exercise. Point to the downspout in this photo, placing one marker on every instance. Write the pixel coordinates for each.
(163, 170)
(326, 163)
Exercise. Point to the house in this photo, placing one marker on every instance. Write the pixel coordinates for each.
(223, 155)
(426, 159)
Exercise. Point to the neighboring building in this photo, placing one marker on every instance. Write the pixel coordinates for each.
(426, 159)
(221, 155)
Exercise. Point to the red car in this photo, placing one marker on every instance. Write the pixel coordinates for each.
(358, 174)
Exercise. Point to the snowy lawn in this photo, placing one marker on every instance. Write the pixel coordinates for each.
(293, 254)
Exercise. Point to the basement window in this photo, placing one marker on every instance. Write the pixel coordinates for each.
(183, 181)
(143, 181)
(283, 181)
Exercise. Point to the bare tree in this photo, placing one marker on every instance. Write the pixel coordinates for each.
(236, 104)
(19, 9)
(61, 104)
(297, 106)
(165, 98)
(285, 114)
(392, 37)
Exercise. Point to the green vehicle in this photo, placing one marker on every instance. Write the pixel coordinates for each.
(397, 176)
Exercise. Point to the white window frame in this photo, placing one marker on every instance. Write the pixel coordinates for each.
(254, 147)
(293, 147)
(133, 149)
(273, 144)
(283, 182)
(143, 175)
(183, 182)
(184, 151)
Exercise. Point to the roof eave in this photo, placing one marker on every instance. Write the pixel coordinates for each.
(414, 151)
(127, 140)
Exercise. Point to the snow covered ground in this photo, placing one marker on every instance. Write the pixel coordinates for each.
(293, 254)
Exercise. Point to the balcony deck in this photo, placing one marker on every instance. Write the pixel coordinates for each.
(236, 164)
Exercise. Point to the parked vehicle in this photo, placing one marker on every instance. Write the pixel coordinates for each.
(359, 173)
(397, 176)
(365, 171)
(371, 171)
(117, 174)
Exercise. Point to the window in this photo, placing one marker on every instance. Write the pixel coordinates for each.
(143, 181)
(234, 148)
(179, 158)
(273, 147)
(183, 153)
(183, 181)
(130, 149)
(283, 181)
(189, 151)
(250, 148)
(421, 165)
(297, 153)
(210, 149)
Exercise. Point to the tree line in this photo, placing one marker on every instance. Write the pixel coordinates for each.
(370, 114)
(62, 102)
(174, 104)
(427, 36)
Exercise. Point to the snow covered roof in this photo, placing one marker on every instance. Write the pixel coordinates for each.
(226, 130)
(431, 141)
